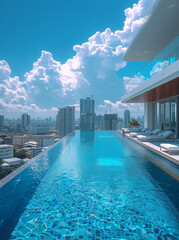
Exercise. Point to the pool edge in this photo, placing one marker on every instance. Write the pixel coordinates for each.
(13, 174)
(146, 145)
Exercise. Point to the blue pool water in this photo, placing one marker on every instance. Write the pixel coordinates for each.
(92, 185)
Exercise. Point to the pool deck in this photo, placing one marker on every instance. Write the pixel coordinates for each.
(173, 158)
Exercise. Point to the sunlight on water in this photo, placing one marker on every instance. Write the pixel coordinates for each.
(109, 162)
(99, 186)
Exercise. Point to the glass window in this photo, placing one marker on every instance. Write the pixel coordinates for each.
(167, 116)
(162, 116)
(173, 117)
(158, 115)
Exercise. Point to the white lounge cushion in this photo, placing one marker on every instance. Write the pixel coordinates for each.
(133, 134)
(156, 131)
(166, 134)
(144, 129)
(148, 132)
(169, 146)
(141, 136)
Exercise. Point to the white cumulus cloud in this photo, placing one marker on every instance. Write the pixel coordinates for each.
(119, 108)
(11, 89)
(92, 70)
(135, 17)
(131, 83)
(159, 67)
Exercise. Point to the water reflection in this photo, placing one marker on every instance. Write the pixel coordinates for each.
(87, 137)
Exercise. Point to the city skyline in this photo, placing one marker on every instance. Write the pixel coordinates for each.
(47, 80)
(89, 119)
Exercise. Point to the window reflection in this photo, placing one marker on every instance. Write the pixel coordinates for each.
(167, 116)
(173, 116)
(162, 116)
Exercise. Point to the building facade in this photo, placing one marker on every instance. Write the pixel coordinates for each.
(87, 113)
(21, 140)
(120, 124)
(126, 118)
(65, 121)
(35, 151)
(99, 122)
(6, 151)
(1, 122)
(25, 122)
(11, 162)
(158, 39)
(39, 130)
(110, 121)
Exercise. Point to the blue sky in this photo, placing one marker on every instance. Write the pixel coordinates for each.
(52, 53)
(28, 27)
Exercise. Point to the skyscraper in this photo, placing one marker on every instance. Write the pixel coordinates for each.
(110, 121)
(1, 121)
(120, 124)
(87, 114)
(126, 118)
(99, 122)
(65, 120)
(25, 122)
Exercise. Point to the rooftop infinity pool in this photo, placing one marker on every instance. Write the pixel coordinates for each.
(92, 185)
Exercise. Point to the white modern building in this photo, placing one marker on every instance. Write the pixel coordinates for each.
(35, 151)
(6, 151)
(12, 162)
(87, 113)
(65, 120)
(158, 39)
(39, 130)
(21, 140)
(126, 118)
(31, 144)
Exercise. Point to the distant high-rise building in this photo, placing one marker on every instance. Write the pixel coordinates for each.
(99, 122)
(140, 120)
(126, 118)
(1, 121)
(110, 121)
(120, 124)
(25, 122)
(65, 120)
(87, 114)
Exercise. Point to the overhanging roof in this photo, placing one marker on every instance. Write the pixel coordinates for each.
(162, 85)
(160, 28)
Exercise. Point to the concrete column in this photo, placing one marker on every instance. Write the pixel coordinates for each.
(149, 115)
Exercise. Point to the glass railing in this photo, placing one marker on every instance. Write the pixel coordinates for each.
(146, 70)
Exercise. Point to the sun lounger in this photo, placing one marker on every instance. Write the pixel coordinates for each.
(169, 147)
(133, 134)
(125, 130)
(137, 129)
(154, 132)
(148, 132)
(158, 137)
(144, 129)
